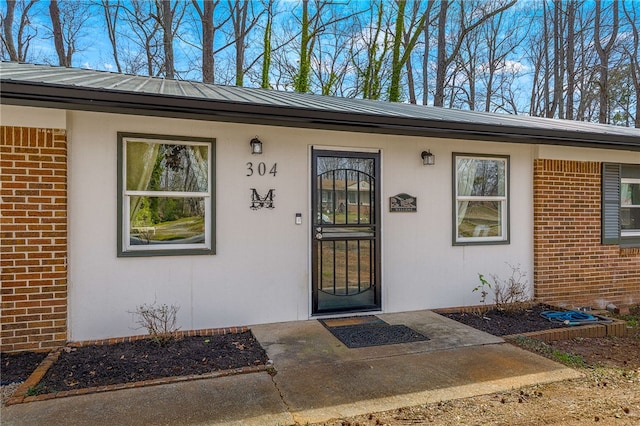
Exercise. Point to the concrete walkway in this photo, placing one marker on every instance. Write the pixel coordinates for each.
(317, 379)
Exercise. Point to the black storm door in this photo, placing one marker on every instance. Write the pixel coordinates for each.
(345, 231)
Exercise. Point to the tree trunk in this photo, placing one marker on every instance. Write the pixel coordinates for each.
(633, 52)
(571, 62)
(441, 67)
(266, 47)
(411, 83)
(604, 53)
(111, 20)
(208, 60)
(167, 39)
(7, 37)
(58, 42)
(301, 84)
(557, 103)
(396, 66)
(240, 30)
(546, 64)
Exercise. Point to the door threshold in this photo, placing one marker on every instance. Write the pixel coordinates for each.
(345, 314)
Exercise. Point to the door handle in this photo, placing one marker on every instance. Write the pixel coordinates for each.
(318, 235)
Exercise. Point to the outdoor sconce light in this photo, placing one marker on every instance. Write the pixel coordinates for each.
(256, 146)
(428, 159)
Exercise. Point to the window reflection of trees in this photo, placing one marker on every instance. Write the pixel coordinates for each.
(347, 189)
(175, 168)
(181, 168)
(487, 181)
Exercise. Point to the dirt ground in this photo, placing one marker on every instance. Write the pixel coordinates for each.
(604, 396)
(608, 394)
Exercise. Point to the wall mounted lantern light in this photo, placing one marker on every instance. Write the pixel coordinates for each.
(256, 146)
(428, 159)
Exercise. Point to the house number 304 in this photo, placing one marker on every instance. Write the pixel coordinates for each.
(261, 169)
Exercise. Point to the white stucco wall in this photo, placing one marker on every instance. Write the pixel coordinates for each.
(260, 272)
(32, 117)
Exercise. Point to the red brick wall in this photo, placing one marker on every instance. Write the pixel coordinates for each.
(33, 233)
(571, 266)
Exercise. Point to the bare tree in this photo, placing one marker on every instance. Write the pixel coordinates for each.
(425, 55)
(301, 83)
(111, 10)
(206, 13)
(331, 59)
(407, 38)
(168, 16)
(478, 17)
(411, 85)
(503, 35)
(557, 103)
(145, 35)
(17, 47)
(54, 13)
(571, 6)
(586, 66)
(68, 19)
(243, 23)
(266, 46)
(370, 54)
(312, 26)
(604, 54)
(632, 13)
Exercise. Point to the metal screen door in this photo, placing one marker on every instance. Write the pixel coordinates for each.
(345, 231)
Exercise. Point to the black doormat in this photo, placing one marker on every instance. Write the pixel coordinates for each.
(371, 331)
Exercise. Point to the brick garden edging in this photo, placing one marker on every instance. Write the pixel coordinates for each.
(617, 328)
(20, 395)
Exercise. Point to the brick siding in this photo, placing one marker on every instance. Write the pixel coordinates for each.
(571, 266)
(33, 233)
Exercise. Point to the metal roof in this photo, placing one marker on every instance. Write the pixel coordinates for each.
(72, 88)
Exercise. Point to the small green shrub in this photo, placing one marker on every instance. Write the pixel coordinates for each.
(35, 390)
(483, 288)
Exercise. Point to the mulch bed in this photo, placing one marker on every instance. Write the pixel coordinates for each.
(139, 360)
(503, 323)
(17, 367)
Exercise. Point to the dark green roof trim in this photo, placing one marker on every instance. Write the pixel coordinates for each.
(67, 88)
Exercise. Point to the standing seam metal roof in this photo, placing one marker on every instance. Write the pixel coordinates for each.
(28, 84)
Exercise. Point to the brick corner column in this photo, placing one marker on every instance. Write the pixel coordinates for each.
(33, 233)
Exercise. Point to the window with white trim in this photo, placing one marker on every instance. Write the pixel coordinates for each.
(630, 207)
(480, 202)
(621, 204)
(166, 199)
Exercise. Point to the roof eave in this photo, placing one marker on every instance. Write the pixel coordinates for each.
(82, 98)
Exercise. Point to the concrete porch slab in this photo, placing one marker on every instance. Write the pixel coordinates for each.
(320, 378)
